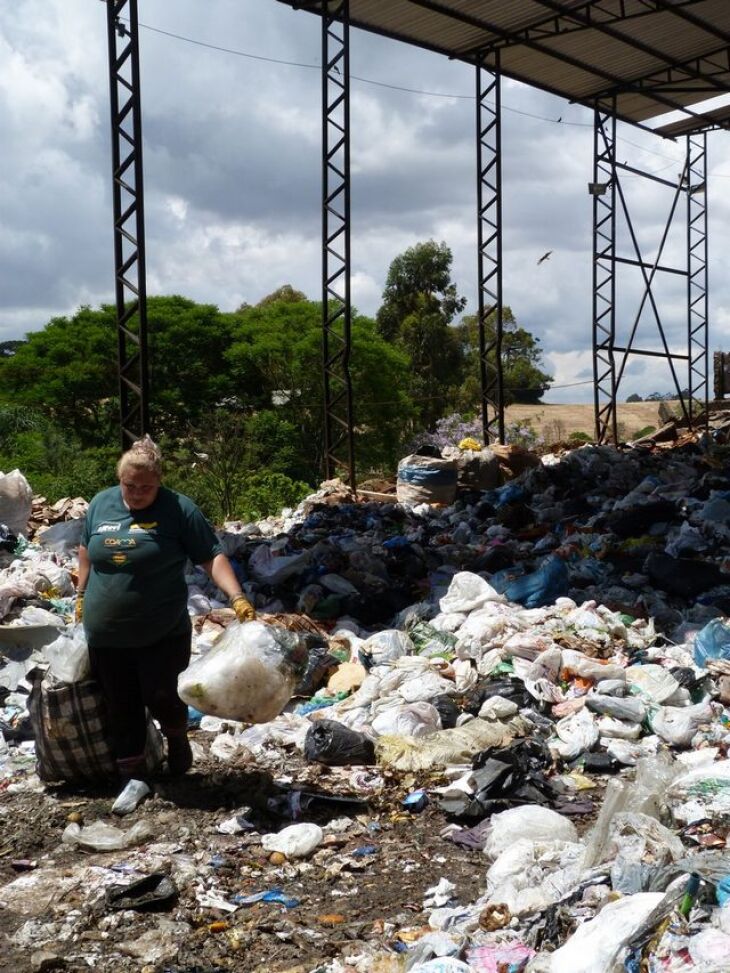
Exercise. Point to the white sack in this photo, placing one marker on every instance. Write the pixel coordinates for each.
(529, 821)
(16, 501)
(466, 592)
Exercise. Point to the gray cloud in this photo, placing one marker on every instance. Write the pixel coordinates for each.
(232, 176)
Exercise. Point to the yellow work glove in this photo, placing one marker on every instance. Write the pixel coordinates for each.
(79, 609)
(243, 608)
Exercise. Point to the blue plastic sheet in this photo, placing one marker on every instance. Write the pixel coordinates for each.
(712, 642)
(542, 587)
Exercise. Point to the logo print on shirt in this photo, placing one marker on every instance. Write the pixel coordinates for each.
(140, 526)
(105, 528)
(119, 559)
(120, 542)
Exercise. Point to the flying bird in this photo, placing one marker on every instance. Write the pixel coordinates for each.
(544, 257)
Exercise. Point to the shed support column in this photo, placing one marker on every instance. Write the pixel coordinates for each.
(697, 307)
(339, 451)
(603, 190)
(128, 203)
(489, 244)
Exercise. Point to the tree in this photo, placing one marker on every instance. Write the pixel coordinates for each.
(634, 397)
(276, 357)
(419, 282)
(69, 369)
(8, 348)
(419, 303)
(522, 375)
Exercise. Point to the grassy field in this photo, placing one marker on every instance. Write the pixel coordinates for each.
(556, 422)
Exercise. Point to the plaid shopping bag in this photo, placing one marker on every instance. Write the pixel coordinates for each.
(71, 729)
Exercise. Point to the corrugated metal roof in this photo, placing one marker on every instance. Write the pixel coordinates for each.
(651, 56)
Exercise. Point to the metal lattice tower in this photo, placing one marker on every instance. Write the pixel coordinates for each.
(128, 204)
(603, 190)
(489, 247)
(339, 452)
(697, 316)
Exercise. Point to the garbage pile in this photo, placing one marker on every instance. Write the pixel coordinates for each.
(533, 682)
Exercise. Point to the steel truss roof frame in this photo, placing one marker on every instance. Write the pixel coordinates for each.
(637, 58)
(128, 205)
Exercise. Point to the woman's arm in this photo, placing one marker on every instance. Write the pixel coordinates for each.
(222, 574)
(83, 568)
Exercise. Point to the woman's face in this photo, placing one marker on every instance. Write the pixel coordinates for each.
(139, 488)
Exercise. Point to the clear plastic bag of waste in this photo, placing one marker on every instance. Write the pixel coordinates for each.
(249, 674)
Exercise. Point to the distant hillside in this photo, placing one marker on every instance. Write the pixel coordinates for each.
(556, 422)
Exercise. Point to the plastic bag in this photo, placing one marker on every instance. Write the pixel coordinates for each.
(712, 642)
(418, 719)
(295, 841)
(577, 734)
(443, 748)
(69, 656)
(385, 646)
(271, 568)
(652, 681)
(529, 821)
(63, 537)
(332, 743)
(678, 724)
(16, 501)
(631, 710)
(549, 582)
(595, 945)
(467, 592)
(635, 836)
(248, 675)
(101, 836)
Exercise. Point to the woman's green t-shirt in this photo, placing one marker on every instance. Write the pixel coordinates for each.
(136, 592)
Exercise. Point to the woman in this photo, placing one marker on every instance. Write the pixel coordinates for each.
(132, 599)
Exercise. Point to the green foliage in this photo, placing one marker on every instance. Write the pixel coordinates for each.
(523, 378)
(267, 493)
(580, 437)
(277, 357)
(56, 465)
(634, 397)
(419, 302)
(646, 431)
(216, 465)
(419, 283)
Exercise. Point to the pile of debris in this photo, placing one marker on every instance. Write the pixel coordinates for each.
(533, 682)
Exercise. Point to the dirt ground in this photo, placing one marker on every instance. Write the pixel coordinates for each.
(346, 900)
(556, 422)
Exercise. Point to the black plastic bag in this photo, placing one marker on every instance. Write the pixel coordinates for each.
(447, 710)
(8, 540)
(329, 742)
(319, 665)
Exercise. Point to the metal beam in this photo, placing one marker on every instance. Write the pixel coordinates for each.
(603, 189)
(128, 204)
(697, 290)
(489, 248)
(339, 447)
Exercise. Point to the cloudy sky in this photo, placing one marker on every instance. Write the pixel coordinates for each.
(232, 176)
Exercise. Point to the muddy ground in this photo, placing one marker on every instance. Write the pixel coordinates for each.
(346, 900)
